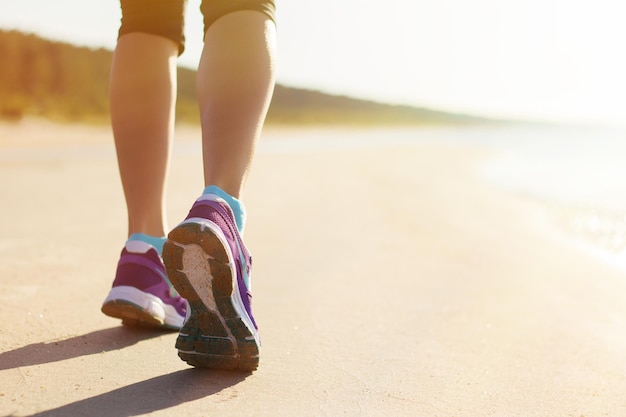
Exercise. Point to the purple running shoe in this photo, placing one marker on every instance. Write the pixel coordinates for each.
(141, 293)
(209, 265)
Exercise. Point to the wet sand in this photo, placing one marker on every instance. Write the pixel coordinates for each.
(387, 282)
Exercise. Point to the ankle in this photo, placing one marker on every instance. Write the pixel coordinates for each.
(156, 241)
(236, 205)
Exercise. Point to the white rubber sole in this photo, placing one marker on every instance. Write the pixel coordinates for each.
(134, 306)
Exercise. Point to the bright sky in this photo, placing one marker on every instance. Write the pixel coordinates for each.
(545, 59)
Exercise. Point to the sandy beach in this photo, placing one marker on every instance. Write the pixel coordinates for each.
(388, 281)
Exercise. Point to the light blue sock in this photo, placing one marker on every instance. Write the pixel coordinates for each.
(157, 242)
(237, 206)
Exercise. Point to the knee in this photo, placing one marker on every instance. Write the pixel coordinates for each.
(214, 9)
(157, 17)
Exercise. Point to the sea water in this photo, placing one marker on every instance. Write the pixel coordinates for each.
(576, 166)
(579, 172)
(570, 165)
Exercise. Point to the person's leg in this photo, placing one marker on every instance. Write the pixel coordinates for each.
(235, 85)
(142, 97)
(142, 100)
(205, 256)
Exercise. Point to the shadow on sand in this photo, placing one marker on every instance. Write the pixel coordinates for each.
(143, 397)
(92, 343)
(154, 394)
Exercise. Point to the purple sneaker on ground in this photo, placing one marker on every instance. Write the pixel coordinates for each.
(209, 265)
(141, 293)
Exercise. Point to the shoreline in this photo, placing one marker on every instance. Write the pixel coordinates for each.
(598, 230)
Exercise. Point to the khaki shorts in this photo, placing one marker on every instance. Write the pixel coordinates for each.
(167, 17)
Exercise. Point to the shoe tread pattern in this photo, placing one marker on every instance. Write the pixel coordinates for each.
(212, 336)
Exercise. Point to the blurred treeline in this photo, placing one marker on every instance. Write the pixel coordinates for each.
(63, 82)
(52, 79)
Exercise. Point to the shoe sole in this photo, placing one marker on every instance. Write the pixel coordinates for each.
(218, 332)
(137, 308)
